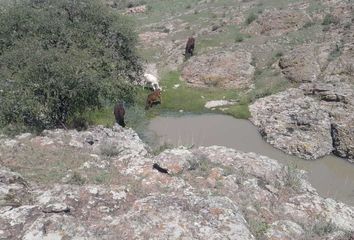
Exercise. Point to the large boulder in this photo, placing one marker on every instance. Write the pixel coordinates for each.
(294, 123)
(305, 63)
(223, 69)
(337, 98)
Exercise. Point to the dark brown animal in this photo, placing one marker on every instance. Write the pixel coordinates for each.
(119, 113)
(153, 98)
(160, 169)
(190, 47)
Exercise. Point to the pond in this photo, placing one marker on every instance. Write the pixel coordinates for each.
(332, 176)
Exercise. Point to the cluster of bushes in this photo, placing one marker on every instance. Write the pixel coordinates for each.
(59, 58)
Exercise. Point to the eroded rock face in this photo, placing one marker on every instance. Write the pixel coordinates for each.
(210, 192)
(224, 69)
(343, 138)
(294, 123)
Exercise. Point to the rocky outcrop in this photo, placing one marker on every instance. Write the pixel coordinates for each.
(343, 138)
(294, 123)
(209, 192)
(308, 120)
(277, 23)
(223, 69)
(305, 63)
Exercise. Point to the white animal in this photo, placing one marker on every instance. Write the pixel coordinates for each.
(151, 81)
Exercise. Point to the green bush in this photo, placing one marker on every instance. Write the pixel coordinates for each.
(329, 19)
(59, 58)
(251, 17)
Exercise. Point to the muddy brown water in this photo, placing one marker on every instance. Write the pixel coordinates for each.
(332, 176)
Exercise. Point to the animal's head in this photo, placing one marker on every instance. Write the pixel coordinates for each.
(158, 92)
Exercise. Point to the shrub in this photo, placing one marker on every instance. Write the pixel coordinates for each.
(251, 17)
(239, 38)
(329, 19)
(60, 58)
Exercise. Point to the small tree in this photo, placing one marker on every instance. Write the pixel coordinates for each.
(59, 58)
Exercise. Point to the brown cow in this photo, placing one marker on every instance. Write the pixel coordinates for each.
(189, 47)
(153, 98)
(119, 113)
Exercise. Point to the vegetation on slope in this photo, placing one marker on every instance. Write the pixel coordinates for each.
(61, 58)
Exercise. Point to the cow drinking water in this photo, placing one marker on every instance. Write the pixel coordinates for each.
(153, 98)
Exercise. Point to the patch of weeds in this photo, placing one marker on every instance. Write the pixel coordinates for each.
(160, 148)
(241, 176)
(109, 149)
(330, 19)
(200, 164)
(258, 227)
(349, 69)
(227, 170)
(326, 28)
(240, 111)
(278, 54)
(292, 177)
(320, 228)
(103, 116)
(77, 179)
(239, 38)
(347, 25)
(335, 53)
(250, 18)
(308, 24)
(258, 72)
(102, 177)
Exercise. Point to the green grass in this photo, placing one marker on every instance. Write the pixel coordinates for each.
(103, 116)
(191, 99)
(239, 111)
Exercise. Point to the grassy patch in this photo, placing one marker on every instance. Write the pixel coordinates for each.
(103, 116)
(189, 99)
(292, 178)
(238, 111)
(335, 53)
(320, 228)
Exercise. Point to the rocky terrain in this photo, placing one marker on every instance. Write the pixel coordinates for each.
(101, 184)
(293, 60)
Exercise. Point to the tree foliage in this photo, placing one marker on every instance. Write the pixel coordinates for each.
(59, 58)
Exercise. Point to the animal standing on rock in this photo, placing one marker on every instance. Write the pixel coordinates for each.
(119, 113)
(190, 47)
(153, 98)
